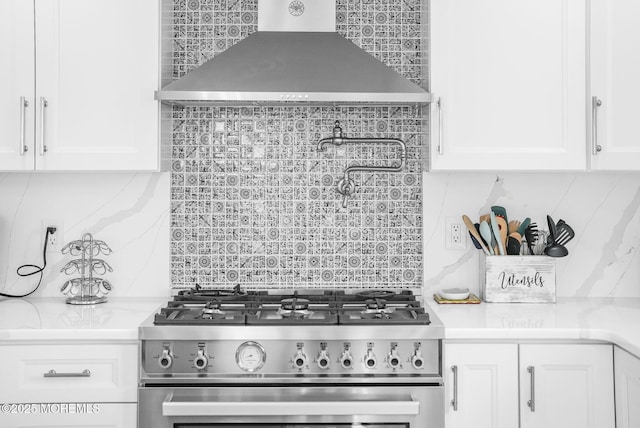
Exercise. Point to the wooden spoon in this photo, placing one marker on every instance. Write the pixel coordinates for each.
(502, 225)
(474, 232)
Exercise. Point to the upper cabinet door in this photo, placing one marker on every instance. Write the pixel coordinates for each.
(16, 86)
(97, 67)
(510, 78)
(615, 85)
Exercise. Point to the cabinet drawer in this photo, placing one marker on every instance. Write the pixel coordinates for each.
(110, 373)
(99, 415)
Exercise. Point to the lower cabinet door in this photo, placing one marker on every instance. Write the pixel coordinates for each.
(67, 415)
(627, 375)
(566, 386)
(481, 384)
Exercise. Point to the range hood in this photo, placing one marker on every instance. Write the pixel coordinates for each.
(293, 67)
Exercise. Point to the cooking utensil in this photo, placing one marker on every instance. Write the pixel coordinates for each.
(500, 212)
(552, 229)
(495, 229)
(530, 235)
(474, 233)
(485, 232)
(565, 233)
(513, 244)
(525, 223)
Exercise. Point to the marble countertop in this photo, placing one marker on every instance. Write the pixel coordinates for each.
(50, 318)
(615, 320)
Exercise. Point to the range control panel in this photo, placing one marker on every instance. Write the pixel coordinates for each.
(222, 358)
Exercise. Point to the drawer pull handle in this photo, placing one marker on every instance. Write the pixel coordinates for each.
(53, 373)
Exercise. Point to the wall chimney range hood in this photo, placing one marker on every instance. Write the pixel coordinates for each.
(295, 57)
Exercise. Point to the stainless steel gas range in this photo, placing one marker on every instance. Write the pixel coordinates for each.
(318, 358)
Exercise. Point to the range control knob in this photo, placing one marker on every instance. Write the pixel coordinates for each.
(393, 358)
(166, 360)
(346, 360)
(370, 360)
(201, 360)
(323, 360)
(417, 361)
(299, 360)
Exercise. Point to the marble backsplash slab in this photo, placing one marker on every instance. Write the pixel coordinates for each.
(130, 212)
(602, 208)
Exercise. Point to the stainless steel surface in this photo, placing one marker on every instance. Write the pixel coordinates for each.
(43, 107)
(292, 361)
(440, 127)
(401, 406)
(454, 400)
(271, 67)
(595, 104)
(348, 369)
(23, 112)
(532, 401)
(346, 186)
(53, 373)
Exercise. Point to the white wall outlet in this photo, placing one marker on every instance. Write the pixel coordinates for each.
(455, 234)
(54, 240)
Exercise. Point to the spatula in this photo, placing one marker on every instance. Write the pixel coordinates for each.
(495, 229)
(472, 230)
(485, 232)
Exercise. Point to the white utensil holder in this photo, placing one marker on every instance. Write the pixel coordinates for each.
(518, 279)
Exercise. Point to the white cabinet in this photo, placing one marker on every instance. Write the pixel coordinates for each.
(615, 67)
(87, 71)
(529, 385)
(481, 385)
(68, 384)
(627, 381)
(17, 80)
(510, 77)
(566, 385)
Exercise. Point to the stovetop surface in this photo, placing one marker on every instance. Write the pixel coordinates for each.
(200, 306)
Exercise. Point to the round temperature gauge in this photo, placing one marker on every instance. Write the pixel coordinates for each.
(250, 356)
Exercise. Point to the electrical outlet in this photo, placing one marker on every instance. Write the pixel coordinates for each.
(455, 236)
(54, 239)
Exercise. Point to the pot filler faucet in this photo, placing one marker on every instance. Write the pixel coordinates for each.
(346, 186)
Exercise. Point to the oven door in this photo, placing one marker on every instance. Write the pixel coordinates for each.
(409, 406)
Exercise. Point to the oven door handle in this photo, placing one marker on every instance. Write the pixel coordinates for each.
(291, 408)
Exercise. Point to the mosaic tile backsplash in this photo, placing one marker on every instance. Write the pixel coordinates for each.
(252, 200)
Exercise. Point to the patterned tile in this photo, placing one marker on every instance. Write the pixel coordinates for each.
(252, 200)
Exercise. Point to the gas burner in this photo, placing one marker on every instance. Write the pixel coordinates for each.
(376, 309)
(298, 314)
(212, 311)
(294, 308)
(376, 294)
(294, 304)
(375, 304)
(199, 293)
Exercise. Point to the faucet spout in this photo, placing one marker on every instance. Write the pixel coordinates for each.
(336, 139)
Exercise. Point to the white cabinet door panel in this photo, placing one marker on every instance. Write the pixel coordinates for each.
(112, 373)
(97, 68)
(627, 381)
(615, 67)
(16, 82)
(510, 75)
(483, 381)
(572, 386)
